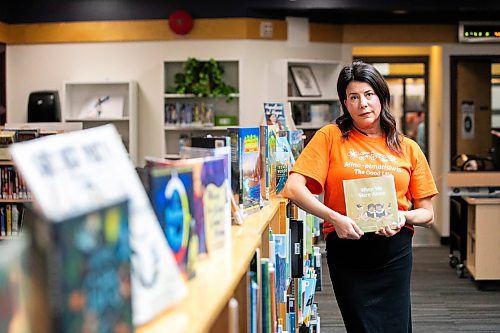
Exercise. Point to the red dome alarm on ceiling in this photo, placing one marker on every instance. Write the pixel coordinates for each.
(181, 22)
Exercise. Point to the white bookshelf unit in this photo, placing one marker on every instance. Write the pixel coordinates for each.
(224, 113)
(108, 102)
(307, 111)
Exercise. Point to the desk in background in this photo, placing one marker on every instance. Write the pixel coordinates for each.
(483, 238)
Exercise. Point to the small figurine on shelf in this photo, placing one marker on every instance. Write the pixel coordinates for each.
(209, 114)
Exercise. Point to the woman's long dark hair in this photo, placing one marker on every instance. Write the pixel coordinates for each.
(363, 72)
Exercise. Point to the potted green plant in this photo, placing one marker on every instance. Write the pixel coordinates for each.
(204, 79)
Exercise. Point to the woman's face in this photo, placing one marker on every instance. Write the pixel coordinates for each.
(363, 106)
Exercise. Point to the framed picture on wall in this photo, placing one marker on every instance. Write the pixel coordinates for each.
(305, 81)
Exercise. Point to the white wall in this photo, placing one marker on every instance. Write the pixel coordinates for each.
(46, 66)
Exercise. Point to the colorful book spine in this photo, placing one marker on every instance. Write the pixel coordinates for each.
(254, 288)
(3, 221)
(280, 267)
(266, 297)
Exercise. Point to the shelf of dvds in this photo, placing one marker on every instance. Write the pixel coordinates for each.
(221, 277)
(107, 102)
(187, 113)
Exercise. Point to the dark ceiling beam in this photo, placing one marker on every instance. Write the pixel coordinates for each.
(328, 11)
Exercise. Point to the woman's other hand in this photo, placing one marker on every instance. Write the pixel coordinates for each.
(387, 231)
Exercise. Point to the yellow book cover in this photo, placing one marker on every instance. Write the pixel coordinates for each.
(371, 202)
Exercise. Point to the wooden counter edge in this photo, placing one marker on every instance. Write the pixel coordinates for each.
(473, 179)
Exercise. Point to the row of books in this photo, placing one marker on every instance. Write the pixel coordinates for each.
(11, 219)
(189, 114)
(282, 286)
(12, 184)
(11, 135)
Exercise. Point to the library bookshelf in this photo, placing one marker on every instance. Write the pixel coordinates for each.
(222, 277)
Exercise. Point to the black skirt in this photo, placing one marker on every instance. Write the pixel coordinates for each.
(371, 281)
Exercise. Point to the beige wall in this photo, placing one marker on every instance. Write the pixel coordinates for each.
(47, 66)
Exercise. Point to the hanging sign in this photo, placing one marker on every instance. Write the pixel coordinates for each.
(468, 112)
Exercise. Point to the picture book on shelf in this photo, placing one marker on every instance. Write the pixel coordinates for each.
(275, 115)
(245, 167)
(74, 173)
(268, 135)
(80, 271)
(171, 194)
(371, 202)
(211, 209)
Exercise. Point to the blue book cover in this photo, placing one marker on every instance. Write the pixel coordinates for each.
(171, 194)
(280, 253)
(291, 314)
(254, 287)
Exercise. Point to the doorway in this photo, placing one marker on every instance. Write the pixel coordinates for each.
(407, 78)
(475, 112)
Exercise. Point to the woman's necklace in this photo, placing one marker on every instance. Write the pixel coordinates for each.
(360, 131)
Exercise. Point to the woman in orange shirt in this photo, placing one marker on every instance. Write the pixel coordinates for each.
(370, 272)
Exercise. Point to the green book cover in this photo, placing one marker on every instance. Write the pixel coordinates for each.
(371, 202)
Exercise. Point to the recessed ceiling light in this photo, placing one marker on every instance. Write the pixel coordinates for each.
(400, 11)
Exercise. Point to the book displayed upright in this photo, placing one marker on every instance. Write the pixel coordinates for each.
(171, 194)
(80, 272)
(275, 115)
(268, 135)
(74, 173)
(245, 167)
(208, 207)
(371, 202)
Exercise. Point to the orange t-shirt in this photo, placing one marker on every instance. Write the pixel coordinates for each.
(328, 159)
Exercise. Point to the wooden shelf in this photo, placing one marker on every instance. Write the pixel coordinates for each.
(473, 179)
(216, 278)
(7, 162)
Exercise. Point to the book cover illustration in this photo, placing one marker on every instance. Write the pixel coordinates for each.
(268, 135)
(171, 191)
(275, 115)
(211, 207)
(77, 172)
(245, 167)
(371, 202)
(80, 272)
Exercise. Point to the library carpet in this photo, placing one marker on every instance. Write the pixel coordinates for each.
(441, 302)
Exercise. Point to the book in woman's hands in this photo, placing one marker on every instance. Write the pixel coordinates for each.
(371, 202)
